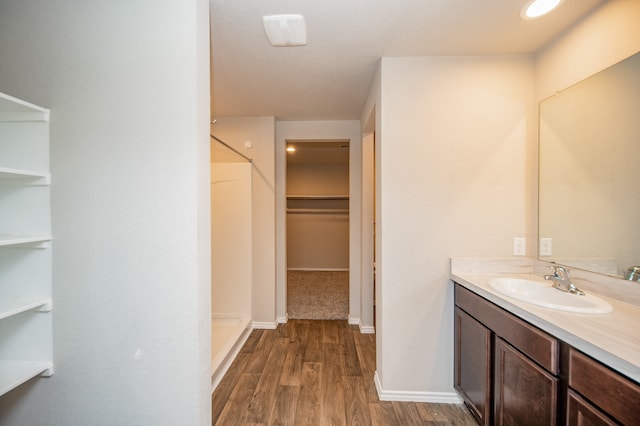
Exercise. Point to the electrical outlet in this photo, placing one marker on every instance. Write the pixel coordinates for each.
(545, 247)
(519, 246)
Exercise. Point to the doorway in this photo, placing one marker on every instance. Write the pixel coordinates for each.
(317, 221)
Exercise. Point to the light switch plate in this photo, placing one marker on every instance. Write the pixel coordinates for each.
(519, 246)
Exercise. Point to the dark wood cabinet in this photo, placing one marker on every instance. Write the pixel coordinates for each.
(583, 413)
(525, 394)
(509, 372)
(504, 367)
(473, 373)
(612, 393)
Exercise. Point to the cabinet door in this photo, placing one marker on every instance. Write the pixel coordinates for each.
(472, 365)
(582, 413)
(613, 393)
(524, 394)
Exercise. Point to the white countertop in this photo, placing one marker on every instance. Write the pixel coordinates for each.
(613, 339)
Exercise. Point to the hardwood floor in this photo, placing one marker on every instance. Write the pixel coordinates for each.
(311, 372)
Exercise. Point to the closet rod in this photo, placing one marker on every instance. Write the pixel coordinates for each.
(232, 149)
(318, 211)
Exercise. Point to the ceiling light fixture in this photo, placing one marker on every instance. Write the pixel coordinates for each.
(536, 8)
(291, 149)
(285, 30)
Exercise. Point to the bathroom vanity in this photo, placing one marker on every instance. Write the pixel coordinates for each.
(527, 365)
(520, 363)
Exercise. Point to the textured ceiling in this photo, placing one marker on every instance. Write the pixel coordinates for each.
(330, 77)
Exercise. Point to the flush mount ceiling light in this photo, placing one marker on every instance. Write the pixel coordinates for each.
(536, 8)
(285, 30)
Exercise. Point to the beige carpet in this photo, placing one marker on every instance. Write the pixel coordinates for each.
(322, 295)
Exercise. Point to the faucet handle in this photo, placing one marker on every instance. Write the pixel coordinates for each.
(633, 274)
(560, 271)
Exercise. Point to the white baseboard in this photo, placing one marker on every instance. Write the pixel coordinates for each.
(364, 329)
(264, 325)
(217, 375)
(282, 320)
(413, 396)
(367, 329)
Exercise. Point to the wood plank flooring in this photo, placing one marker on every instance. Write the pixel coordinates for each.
(312, 372)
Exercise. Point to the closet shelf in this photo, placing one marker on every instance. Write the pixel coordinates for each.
(14, 306)
(14, 109)
(15, 373)
(9, 173)
(317, 197)
(11, 240)
(318, 211)
(26, 332)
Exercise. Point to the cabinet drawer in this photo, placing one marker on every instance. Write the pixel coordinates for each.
(582, 413)
(535, 343)
(613, 393)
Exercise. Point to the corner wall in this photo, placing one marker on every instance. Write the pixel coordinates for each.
(454, 179)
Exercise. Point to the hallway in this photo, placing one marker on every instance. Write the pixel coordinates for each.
(315, 372)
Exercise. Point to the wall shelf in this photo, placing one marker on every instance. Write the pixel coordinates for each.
(13, 240)
(15, 373)
(14, 109)
(317, 197)
(318, 211)
(26, 326)
(19, 304)
(317, 204)
(41, 178)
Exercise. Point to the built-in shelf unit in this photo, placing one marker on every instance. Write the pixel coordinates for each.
(26, 337)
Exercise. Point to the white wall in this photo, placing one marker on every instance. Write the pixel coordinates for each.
(453, 179)
(231, 257)
(605, 37)
(322, 178)
(371, 121)
(127, 84)
(319, 239)
(260, 131)
(320, 130)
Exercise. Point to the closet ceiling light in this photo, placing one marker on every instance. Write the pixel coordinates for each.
(285, 30)
(536, 8)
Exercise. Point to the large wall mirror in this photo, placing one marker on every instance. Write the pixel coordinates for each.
(589, 200)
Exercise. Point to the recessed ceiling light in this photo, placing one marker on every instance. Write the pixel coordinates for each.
(291, 149)
(536, 8)
(285, 30)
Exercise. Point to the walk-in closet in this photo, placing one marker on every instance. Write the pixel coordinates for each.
(318, 229)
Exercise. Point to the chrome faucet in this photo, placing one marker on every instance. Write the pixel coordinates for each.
(562, 282)
(633, 274)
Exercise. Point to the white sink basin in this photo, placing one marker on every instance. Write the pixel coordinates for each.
(541, 293)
